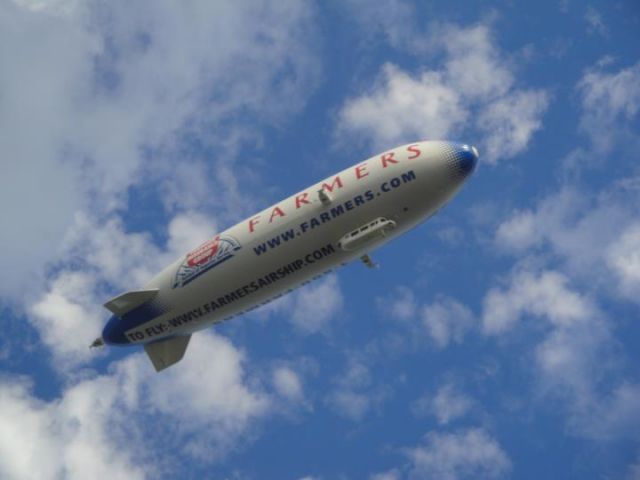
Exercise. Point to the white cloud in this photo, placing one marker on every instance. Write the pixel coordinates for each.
(446, 321)
(570, 362)
(316, 304)
(474, 84)
(391, 18)
(446, 405)
(110, 426)
(208, 393)
(474, 64)
(35, 77)
(546, 295)
(60, 7)
(355, 394)
(402, 108)
(98, 98)
(633, 472)
(401, 306)
(609, 102)
(351, 398)
(511, 121)
(595, 22)
(350, 404)
(74, 437)
(519, 232)
(121, 258)
(442, 322)
(614, 415)
(451, 235)
(623, 258)
(388, 475)
(593, 238)
(68, 318)
(288, 384)
(465, 454)
(573, 355)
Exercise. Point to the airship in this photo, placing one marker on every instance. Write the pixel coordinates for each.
(299, 239)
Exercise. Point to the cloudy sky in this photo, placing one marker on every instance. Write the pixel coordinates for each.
(500, 340)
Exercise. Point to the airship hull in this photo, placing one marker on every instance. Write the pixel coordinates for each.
(294, 242)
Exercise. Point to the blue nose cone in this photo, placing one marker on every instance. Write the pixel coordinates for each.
(113, 333)
(467, 157)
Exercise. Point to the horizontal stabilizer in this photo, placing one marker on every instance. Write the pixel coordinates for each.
(127, 301)
(165, 353)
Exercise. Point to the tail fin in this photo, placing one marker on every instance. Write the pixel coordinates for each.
(165, 353)
(125, 302)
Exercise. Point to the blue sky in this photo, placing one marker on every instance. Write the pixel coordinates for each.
(499, 340)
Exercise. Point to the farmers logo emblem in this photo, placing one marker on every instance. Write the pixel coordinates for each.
(204, 258)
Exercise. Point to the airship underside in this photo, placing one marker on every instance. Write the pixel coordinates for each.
(291, 243)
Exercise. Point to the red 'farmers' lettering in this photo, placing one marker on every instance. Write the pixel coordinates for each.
(252, 223)
(387, 158)
(337, 182)
(361, 171)
(302, 198)
(415, 150)
(276, 212)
